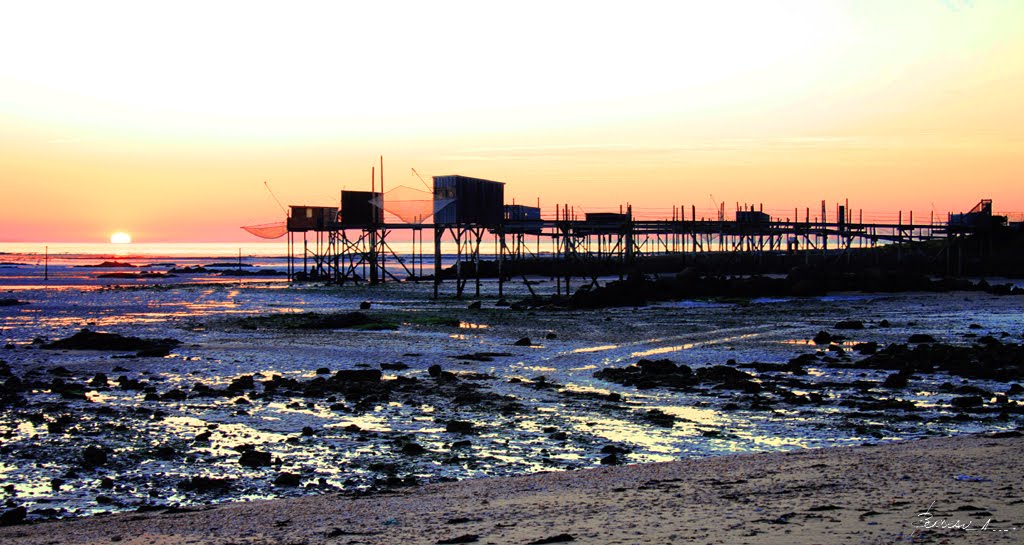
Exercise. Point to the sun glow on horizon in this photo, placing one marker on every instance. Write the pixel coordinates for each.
(120, 237)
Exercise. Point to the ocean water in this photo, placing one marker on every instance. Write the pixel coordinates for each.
(532, 408)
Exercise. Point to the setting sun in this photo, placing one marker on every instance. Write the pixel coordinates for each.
(120, 237)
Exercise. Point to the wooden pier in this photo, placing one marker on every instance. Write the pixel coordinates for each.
(490, 239)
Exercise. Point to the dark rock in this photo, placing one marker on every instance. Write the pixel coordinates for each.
(307, 431)
(99, 380)
(660, 418)
(884, 323)
(242, 383)
(967, 402)
(93, 456)
(551, 336)
(525, 341)
(323, 371)
(288, 479)
(107, 482)
(255, 458)
(896, 380)
(850, 324)
(822, 337)
(365, 305)
(459, 426)
(610, 460)
(1015, 389)
(13, 516)
(399, 366)
(90, 340)
(475, 305)
(358, 375)
(920, 338)
(867, 348)
(434, 370)
(413, 449)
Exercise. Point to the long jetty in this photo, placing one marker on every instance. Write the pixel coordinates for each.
(352, 243)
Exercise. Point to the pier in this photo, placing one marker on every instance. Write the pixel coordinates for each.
(488, 238)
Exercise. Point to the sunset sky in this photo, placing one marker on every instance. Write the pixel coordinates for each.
(163, 120)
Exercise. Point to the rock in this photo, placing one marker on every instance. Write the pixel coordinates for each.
(884, 323)
(822, 337)
(365, 305)
(896, 380)
(525, 341)
(475, 305)
(242, 383)
(434, 370)
(550, 336)
(850, 324)
(288, 479)
(307, 431)
(660, 418)
(867, 348)
(323, 371)
(13, 516)
(459, 426)
(413, 449)
(99, 380)
(920, 338)
(610, 460)
(255, 458)
(1015, 389)
(399, 366)
(966, 402)
(94, 456)
(90, 340)
(107, 482)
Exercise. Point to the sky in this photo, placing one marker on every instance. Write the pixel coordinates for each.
(183, 121)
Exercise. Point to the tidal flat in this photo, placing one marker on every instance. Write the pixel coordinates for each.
(275, 390)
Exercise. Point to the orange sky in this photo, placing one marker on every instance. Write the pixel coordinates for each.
(165, 121)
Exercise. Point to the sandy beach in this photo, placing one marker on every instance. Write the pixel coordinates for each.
(964, 489)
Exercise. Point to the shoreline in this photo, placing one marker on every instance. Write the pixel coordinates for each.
(885, 493)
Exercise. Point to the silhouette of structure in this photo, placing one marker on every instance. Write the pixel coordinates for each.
(349, 244)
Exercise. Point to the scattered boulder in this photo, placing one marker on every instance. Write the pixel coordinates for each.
(288, 479)
(92, 340)
(921, 338)
(94, 456)
(525, 341)
(849, 324)
(13, 516)
(459, 426)
(255, 458)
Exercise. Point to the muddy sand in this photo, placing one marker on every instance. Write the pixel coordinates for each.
(965, 489)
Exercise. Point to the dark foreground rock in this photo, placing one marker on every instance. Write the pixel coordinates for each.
(87, 339)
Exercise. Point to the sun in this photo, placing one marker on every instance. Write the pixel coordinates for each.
(120, 237)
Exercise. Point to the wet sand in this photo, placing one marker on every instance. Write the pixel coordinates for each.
(920, 491)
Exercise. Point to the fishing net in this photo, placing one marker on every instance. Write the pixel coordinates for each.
(268, 230)
(410, 205)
